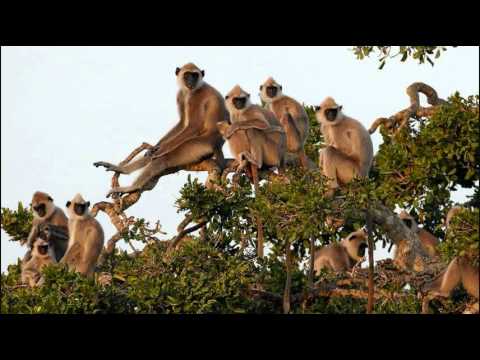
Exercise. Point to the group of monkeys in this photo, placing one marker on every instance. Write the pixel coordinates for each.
(78, 250)
(259, 138)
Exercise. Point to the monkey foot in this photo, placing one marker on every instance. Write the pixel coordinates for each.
(108, 166)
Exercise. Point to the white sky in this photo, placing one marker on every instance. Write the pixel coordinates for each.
(63, 108)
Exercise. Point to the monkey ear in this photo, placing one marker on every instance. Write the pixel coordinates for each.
(281, 87)
(68, 204)
(49, 198)
(317, 108)
(203, 73)
(340, 108)
(87, 204)
(248, 95)
(177, 70)
(226, 97)
(261, 87)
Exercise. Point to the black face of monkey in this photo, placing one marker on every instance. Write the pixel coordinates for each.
(271, 91)
(361, 249)
(190, 79)
(239, 102)
(41, 209)
(331, 114)
(408, 222)
(79, 209)
(42, 249)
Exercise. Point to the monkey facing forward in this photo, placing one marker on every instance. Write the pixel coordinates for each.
(342, 256)
(42, 254)
(292, 116)
(45, 212)
(86, 237)
(193, 139)
(254, 136)
(349, 151)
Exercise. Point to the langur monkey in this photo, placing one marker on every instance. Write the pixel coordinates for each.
(45, 212)
(461, 270)
(193, 139)
(292, 116)
(86, 237)
(429, 242)
(42, 254)
(349, 150)
(255, 137)
(342, 256)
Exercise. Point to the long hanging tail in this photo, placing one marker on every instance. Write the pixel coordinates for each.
(254, 170)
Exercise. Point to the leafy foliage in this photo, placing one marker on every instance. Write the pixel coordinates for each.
(17, 223)
(420, 53)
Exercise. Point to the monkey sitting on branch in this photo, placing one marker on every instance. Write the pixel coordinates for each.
(255, 138)
(349, 151)
(342, 256)
(193, 139)
(292, 116)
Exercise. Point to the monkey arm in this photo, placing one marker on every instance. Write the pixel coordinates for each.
(256, 123)
(33, 232)
(190, 128)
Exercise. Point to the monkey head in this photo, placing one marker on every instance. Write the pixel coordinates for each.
(270, 90)
(409, 221)
(355, 244)
(42, 251)
(189, 77)
(328, 112)
(78, 207)
(42, 205)
(237, 101)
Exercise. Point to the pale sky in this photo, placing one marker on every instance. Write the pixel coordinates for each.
(63, 108)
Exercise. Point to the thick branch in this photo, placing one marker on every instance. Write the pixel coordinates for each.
(397, 121)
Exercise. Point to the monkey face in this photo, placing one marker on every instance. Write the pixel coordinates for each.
(237, 100)
(189, 76)
(356, 244)
(328, 112)
(270, 90)
(41, 248)
(42, 205)
(408, 220)
(78, 207)
(40, 209)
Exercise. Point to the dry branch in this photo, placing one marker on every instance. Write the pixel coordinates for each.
(397, 121)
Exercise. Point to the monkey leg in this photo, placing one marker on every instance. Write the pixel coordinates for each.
(338, 167)
(190, 152)
(126, 169)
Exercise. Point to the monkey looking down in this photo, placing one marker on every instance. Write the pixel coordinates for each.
(342, 256)
(428, 241)
(349, 150)
(291, 115)
(86, 237)
(45, 212)
(193, 139)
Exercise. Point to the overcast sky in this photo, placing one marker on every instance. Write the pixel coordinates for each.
(63, 108)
